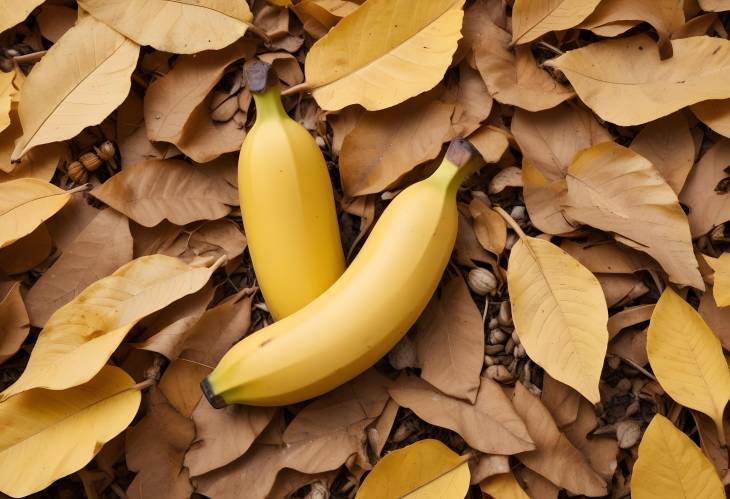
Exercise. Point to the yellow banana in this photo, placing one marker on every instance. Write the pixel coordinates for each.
(287, 204)
(367, 311)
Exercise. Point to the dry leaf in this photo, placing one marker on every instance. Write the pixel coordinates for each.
(631, 69)
(714, 5)
(425, 469)
(384, 53)
(26, 253)
(539, 486)
(450, 342)
(628, 317)
(503, 486)
(561, 400)
(601, 451)
(100, 249)
(171, 189)
(710, 443)
(621, 288)
(665, 16)
(670, 466)
(67, 224)
(318, 16)
(708, 207)
(386, 145)
(687, 358)
(80, 337)
(177, 26)
(134, 146)
(543, 200)
(614, 189)
(285, 65)
(488, 465)
(718, 319)
(531, 20)
(555, 458)
(721, 285)
(25, 204)
(506, 177)
(601, 255)
(81, 79)
(50, 434)
(14, 325)
(715, 114)
(155, 450)
(559, 313)
(15, 11)
(667, 143)
(492, 409)
(489, 227)
(491, 143)
(55, 20)
(6, 92)
(473, 102)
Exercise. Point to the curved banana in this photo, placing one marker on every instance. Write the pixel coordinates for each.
(287, 203)
(365, 313)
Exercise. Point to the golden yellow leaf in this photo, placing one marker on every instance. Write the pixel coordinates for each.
(671, 466)
(425, 470)
(50, 434)
(503, 486)
(82, 78)
(384, 53)
(559, 312)
(177, 26)
(614, 189)
(15, 11)
(531, 19)
(721, 286)
(687, 358)
(630, 69)
(25, 204)
(80, 337)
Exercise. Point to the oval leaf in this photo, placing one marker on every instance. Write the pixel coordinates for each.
(721, 286)
(426, 469)
(384, 53)
(15, 11)
(81, 79)
(177, 26)
(503, 486)
(50, 434)
(671, 466)
(80, 337)
(25, 204)
(687, 358)
(560, 313)
(531, 20)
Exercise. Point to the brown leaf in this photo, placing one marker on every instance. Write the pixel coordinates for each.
(531, 20)
(489, 227)
(100, 249)
(555, 458)
(27, 252)
(711, 446)
(708, 207)
(667, 143)
(538, 486)
(506, 177)
(601, 255)
(630, 345)
(387, 144)
(14, 325)
(55, 20)
(285, 65)
(561, 400)
(450, 342)
(67, 224)
(219, 237)
(171, 189)
(155, 450)
(628, 317)
(621, 288)
(467, 249)
(176, 109)
(507, 434)
(601, 451)
(488, 465)
(342, 123)
(134, 146)
(544, 200)
(382, 427)
(491, 142)
(472, 100)
(718, 318)
(664, 15)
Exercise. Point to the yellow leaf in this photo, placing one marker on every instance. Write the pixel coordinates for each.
(177, 26)
(560, 313)
(424, 470)
(630, 69)
(25, 204)
(384, 53)
(531, 19)
(50, 434)
(614, 189)
(671, 466)
(81, 336)
(82, 78)
(721, 286)
(503, 486)
(687, 358)
(15, 11)
(665, 16)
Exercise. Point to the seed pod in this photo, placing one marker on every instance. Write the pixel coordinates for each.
(77, 173)
(106, 151)
(481, 281)
(90, 161)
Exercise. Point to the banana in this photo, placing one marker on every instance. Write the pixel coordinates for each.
(287, 203)
(365, 313)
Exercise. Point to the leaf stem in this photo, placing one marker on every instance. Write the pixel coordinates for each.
(143, 385)
(80, 188)
(29, 58)
(302, 87)
(511, 221)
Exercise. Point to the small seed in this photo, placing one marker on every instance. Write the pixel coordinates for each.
(481, 281)
(497, 336)
(624, 385)
(373, 437)
(515, 338)
(518, 213)
(106, 151)
(509, 347)
(90, 161)
(614, 362)
(505, 314)
(633, 408)
(493, 349)
(489, 361)
(77, 172)
(519, 351)
(499, 373)
(627, 433)
(493, 323)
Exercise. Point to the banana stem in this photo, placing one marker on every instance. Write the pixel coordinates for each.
(511, 221)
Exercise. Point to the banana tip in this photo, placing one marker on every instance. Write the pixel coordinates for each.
(259, 76)
(215, 400)
(460, 152)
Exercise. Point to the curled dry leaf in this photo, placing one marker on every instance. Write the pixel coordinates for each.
(426, 468)
(14, 326)
(665, 16)
(718, 319)
(100, 249)
(134, 145)
(450, 342)
(81, 79)
(177, 26)
(25, 204)
(561, 400)
(384, 53)
(614, 189)
(488, 465)
(472, 100)
(56, 433)
(55, 20)
(631, 69)
(157, 190)
(715, 114)
(15, 11)
(491, 142)
(503, 486)
(670, 466)
(492, 409)
(559, 313)
(687, 358)
(80, 336)
(605, 256)
(531, 20)
(506, 177)
(601, 451)
(721, 285)
(489, 227)
(628, 317)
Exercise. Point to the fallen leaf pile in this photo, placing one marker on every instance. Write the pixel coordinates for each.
(578, 344)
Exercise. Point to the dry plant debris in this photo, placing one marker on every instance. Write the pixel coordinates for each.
(577, 345)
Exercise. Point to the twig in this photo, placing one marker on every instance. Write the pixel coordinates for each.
(29, 58)
(118, 491)
(639, 368)
(302, 87)
(511, 221)
(550, 47)
(80, 188)
(143, 385)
